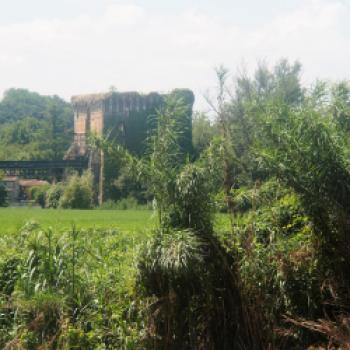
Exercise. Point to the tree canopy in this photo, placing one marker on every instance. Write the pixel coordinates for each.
(33, 126)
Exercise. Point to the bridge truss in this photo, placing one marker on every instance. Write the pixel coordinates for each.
(42, 168)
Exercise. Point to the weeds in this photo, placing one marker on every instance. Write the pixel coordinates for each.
(68, 289)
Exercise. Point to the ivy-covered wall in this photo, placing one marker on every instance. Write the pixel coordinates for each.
(131, 117)
(128, 118)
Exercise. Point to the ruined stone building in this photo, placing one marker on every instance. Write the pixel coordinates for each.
(126, 117)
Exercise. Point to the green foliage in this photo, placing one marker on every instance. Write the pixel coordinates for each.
(192, 206)
(9, 275)
(186, 98)
(340, 105)
(53, 195)
(34, 126)
(125, 185)
(39, 193)
(135, 135)
(308, 156)
(69, 289)
(283, 279)
(78, 192)
(161, 167)
(185, 281)
(203, 131)
(277, 134)
(260, 194)
(176, 255)
(129, 203)
(184, 266)
(282, 158)
(297, 242)
(305, 151)
(278, 262)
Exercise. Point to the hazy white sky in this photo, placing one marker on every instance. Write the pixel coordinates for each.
(69, 47)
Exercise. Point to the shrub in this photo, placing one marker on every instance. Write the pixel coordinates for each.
(193, 296)
(78, 193)
(38, 193)
(8, 275)
(124, 204)
(68, 290)
(192, 206)
(54, 195)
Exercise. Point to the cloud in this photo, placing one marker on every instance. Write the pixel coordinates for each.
(133, 48)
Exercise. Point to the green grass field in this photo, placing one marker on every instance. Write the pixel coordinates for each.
(12, 219)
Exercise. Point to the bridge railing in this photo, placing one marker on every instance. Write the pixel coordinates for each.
(44, 164)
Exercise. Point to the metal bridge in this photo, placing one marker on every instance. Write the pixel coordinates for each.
(40, 168)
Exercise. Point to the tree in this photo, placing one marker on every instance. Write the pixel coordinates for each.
(238, 110)
(203, 132)
(340, 104)
(43, 124)
(221, 112)
(303, 149)
(57, 126)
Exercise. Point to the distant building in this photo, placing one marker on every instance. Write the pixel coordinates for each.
(19, 189)
(12, 187)
(128, 117)
(25, 185)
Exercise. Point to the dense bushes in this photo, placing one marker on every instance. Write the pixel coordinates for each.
(129, 203)
(39, 194)
(286, 261)
(276, 278)
(65, 290)
(278, 264)
(78, 192)
(54, 195)
(295, 244)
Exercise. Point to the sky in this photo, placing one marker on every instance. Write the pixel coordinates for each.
(70, 47)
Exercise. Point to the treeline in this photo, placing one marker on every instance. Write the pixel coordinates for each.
(34, 127)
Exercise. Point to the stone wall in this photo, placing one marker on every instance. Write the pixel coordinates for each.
(127, 118)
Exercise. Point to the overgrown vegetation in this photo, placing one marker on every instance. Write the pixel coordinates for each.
(78, 192)
(276, 160)
(68, 290)
(75, 193)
